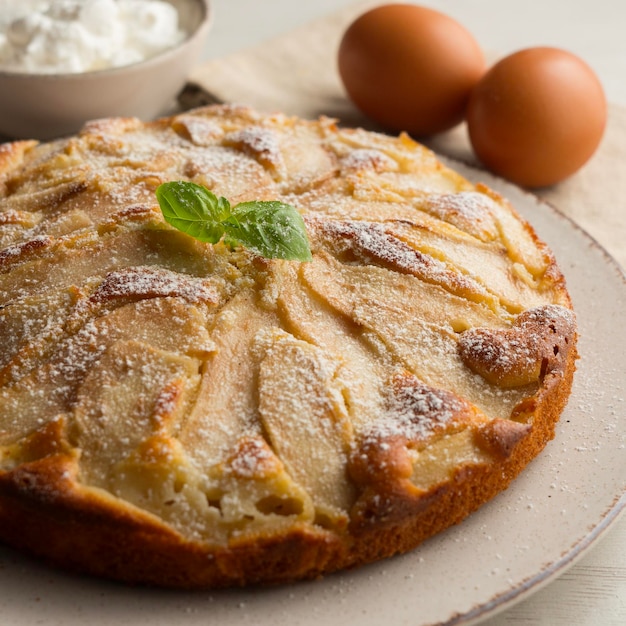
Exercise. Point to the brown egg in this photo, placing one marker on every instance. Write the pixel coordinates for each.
(410, 68)
(537, 116)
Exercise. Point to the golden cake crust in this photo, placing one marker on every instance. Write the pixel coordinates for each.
(187, 415)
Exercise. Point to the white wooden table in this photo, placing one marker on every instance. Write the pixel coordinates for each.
(593, 591)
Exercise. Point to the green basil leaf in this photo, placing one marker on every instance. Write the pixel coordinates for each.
(270, 228)
(193, 209)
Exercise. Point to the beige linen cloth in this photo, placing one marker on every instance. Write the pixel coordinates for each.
(296, 73)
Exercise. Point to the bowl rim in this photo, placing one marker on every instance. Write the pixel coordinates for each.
(198, 32)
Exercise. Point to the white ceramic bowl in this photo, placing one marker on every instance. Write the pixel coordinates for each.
(45, 106)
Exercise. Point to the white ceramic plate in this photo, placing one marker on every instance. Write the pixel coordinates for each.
(512, 546)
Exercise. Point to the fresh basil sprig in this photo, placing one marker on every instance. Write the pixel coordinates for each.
(271, 229)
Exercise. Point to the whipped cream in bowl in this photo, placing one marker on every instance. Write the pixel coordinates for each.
(66, 36)
(66, 62)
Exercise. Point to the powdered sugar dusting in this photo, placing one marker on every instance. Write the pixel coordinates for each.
(373, 243)
(258, 141)
(547, 314)
(416, 410)
(13, 253)
(362, 159)
(153, 282)
(470, 211)
(470, 204)
(252, 459)
(501, 355)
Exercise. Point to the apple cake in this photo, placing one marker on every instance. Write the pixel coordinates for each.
(191, 415)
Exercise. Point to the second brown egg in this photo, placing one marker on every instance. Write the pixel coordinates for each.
(537, 116)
